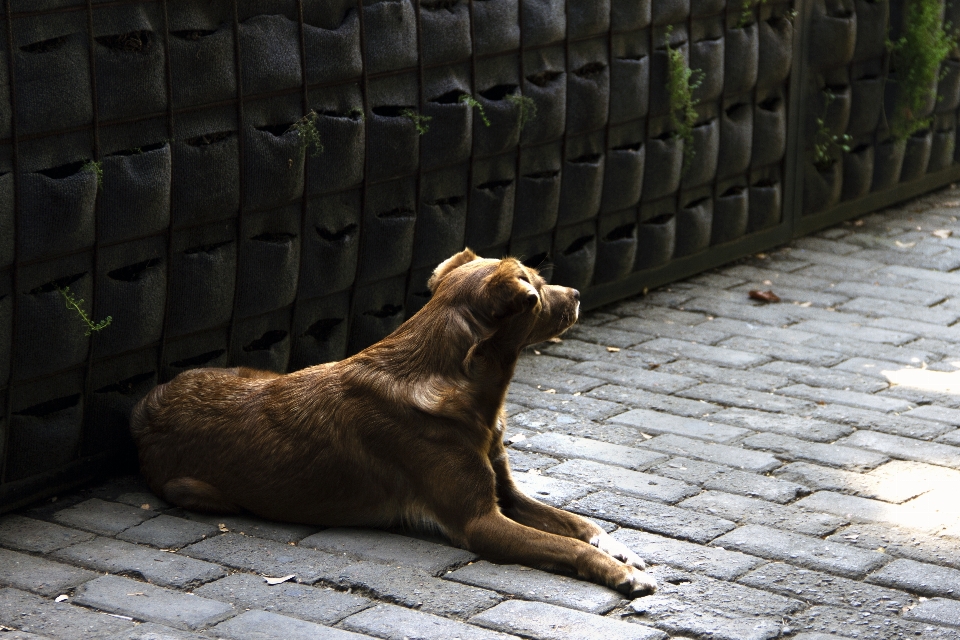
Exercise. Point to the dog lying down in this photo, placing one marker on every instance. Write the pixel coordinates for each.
(410, 430)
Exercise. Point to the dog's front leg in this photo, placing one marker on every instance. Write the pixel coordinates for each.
(517, 506)
(498, 538)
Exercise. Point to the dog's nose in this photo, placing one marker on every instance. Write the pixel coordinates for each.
(576, 294)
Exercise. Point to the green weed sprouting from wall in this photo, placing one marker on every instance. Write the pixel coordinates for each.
(916, 57)
(472, 102)
(77, 305)
(419, 120)
(827, 145)
(526, 106)
(95, 167)
(746, 12)
(681, 83)
(306, 128)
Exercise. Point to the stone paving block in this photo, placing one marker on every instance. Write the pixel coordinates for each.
(823, 377)
(160, 567)
(264, 625)
(650, 516)
(939, 414)
(718, 453)
(749, 378)
(905, 295)
(692, 471)
(821, 244)
(654, 422)
(37, 536)
(512, 409)
(778, 335)
(548, 622)
(576, 350)
(253, 526)
(598, 336)
(832, 455)
(413, 588)
(655, 310)
(532, 362)
(905, 448)
(560, 381)
(904, 542)
(815, 587)
(724, 357)
(757, 275)
(864, 625)
(717, 563)
(852, 398)
(388, 548)
(918, 577)
(801, 550)
(549, 490)
(585, 429)
(866, 510)
(702, 333)
(802, 295)
(952, 438)
(583, 406)
(397, 623)
(854, 348)
(721, 597)
(876, 307)
(144, 601)
(632, 376)
(33, 614)
(938, 611)
(922, 396)
(39, 575)
(717, 280)
(747, 399)
(154, 631)
(266, 557)
(927, 275)
(679, 617)
(100, 516)
(636, 483)
(869, 367)
(596, 319)
(804, 428)
(877, 421)
(751, 510)
(863, 484)
(918, 327)
(522, 461)
(855, 331)
(757, 486)
(140, 498)
(940, 349)
(564, 446)
(168, 532)
(531, 584)
(658, 402)
(798, 353)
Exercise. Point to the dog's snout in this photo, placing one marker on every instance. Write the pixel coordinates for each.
(576, 294)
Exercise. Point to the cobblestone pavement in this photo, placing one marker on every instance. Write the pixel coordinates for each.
(790, 470)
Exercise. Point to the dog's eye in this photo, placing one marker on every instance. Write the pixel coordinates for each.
(525, 279)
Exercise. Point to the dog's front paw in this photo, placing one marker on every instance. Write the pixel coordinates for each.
(605, 542)
(637, 583)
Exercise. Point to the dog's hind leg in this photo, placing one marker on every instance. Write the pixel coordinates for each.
(197, 495)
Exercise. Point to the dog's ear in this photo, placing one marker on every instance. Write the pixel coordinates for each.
(511, 291)
(449, 265)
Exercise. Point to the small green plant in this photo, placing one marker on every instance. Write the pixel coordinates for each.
(358, 114)
(76, 305)
(472, 102)
(419, 120)
(917, 56)
(746, 13)
(827, 145)
(526, 106)
(96, 168)
(306, 128)
(681, 83)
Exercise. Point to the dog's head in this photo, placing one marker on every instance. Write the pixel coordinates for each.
(506, 295)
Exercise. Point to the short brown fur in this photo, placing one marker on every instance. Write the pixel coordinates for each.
(408, 431)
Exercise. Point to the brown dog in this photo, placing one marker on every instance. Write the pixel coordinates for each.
(409, 430)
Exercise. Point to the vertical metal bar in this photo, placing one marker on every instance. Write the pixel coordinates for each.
(473, 142)
(87, 378)
(305, 108)
(365, 94)
(793, 164)
(517, 177)
(171, 129)
(15, 270)
(422, 98)
(241, 133)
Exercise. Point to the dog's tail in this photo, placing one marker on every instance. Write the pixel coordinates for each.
(142, 416)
